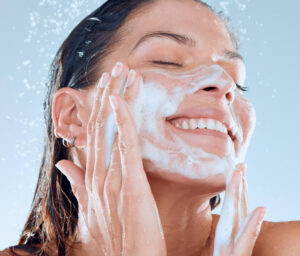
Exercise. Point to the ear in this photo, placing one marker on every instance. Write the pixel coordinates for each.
(69, 115)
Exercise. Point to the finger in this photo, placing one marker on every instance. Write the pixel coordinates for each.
(112, 188)
(91, 129)
(133, 84)
(113, 180)
(140, 216)
(76, 177)
(229, 219)
(235, 196)
(244, 201)
(105, 127)
(133, 173)
(238, 201)
(135, 186)
(247, 236)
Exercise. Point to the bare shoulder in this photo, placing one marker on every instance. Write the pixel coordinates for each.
(275, 238)
(14, 252)
(278, 239)
(8, 252)
(18, 251)
(5, 252)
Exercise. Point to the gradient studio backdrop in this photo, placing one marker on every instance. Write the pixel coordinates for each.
(32, 31)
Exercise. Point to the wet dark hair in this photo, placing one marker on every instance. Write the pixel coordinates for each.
(50, 227)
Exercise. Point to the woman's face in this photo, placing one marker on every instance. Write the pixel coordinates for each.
(192, 120)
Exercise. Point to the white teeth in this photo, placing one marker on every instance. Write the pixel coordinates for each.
(220, 127)
(193, 124)
(234, 130)
(210, 124)
(185, 125)
(224, 130)
(201, 124)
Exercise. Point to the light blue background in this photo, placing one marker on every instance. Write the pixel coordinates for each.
(31, 32)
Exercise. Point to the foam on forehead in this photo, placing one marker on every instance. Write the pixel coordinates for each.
(155, 102)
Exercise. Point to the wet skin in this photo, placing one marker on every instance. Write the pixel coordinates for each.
(178, 202)
(183, 203)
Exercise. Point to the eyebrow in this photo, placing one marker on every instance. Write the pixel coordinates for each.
(233, 55)
(184, 40)
(181, 39)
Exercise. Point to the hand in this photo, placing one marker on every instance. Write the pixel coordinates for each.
(236, 233)
(117, 212)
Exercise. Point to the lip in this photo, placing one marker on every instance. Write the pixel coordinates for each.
(209, 113)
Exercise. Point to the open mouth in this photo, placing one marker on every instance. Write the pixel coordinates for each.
(206, 124)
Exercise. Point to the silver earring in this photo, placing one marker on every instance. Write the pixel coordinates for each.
(68, 144)
(55, 133)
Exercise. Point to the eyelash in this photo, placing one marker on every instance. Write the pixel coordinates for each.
(166, 63)
(240, 87)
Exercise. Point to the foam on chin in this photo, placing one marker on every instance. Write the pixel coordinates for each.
(154, 103)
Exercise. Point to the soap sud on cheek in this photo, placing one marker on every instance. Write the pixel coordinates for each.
(248, 107)
(188, 162)
(154, 103)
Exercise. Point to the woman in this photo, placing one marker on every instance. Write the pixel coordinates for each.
(134, 161)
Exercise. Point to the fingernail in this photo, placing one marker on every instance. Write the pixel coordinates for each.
(131, 77)
(263, 213)
(117, 70)
(114, 102)
(261, 220)
(104, 80)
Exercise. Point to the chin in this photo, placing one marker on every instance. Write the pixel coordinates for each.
(187, 164)
(214, 183)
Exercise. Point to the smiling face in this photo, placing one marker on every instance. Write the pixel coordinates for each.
(192, 118)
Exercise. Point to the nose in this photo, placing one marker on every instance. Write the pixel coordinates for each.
(216, 82)
(223, 90)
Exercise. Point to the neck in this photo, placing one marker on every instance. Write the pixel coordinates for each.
(185, 215)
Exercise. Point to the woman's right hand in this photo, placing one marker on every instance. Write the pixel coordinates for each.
(117, 211)
(237, 231)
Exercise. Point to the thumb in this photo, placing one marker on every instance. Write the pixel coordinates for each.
(76, 177)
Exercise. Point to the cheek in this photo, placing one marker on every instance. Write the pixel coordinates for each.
(165, 81)
(246, 115)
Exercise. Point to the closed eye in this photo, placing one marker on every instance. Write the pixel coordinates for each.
(242, 88)
(160, 62)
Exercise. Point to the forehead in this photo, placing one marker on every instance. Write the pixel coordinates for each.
(181, 16)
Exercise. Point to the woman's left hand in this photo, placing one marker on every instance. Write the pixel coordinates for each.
(237, 231)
